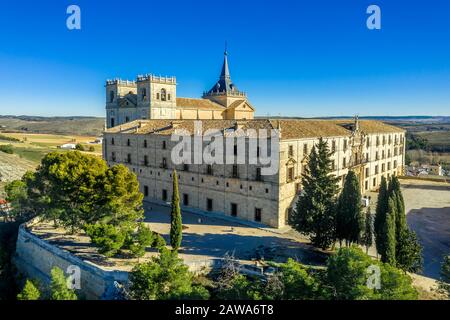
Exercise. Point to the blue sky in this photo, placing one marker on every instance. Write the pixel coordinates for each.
(294, 58)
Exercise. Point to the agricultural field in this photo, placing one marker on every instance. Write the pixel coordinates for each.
(27, 150)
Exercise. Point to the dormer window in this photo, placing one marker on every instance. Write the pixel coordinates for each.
(111, 96)
(163, 94)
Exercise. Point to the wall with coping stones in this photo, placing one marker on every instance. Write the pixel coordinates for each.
(35, 258)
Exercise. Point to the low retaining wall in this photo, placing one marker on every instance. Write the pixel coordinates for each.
(35, 258)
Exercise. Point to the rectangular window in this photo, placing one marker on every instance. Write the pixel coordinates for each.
(128, 142)
(333, 146)
(185, 199)
(209, 204)
(185, 167)
(383, 167)
(395, 164)
(374, 182)
(366, 185)
(209, 169)
(112, 141)
(164, 145)
(258, 214)
(113, 156)
(234, 210)
(164, 194)
(235, 171)
(145, 143)
(367, 143)
(345, 144)
(164, 163)
(291, 151)
(367, 172)
(235, 149)
(128, 158)
(145, 160)
(258, 174)
(290, 175)
(146, 191)
(376, 169)
(305, 149)
(344, 162)
(389, 165)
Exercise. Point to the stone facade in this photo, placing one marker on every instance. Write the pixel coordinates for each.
(155, 97)
(370, 148)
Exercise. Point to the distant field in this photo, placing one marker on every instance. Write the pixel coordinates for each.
(78, 126)
(29, 149)
(437, 139)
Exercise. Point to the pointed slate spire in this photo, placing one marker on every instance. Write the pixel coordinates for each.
(225, 74)
(224, 86)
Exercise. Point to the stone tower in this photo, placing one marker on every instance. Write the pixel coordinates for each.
(157, 95)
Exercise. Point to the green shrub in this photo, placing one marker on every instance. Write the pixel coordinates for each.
(107, 238)
(7, 148)
(7, 138)
(158, 241)
(29, 292)
(79, 147)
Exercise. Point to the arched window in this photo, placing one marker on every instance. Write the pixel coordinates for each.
(111, 96)
(163, 94)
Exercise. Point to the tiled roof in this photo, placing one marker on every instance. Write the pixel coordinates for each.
(203, 104)
(290, 129)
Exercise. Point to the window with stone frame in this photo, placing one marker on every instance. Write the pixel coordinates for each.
(290, 150)
(163, 94)
(290, 174)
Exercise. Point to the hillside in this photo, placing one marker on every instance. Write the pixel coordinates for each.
(12, 167)
(80, 126)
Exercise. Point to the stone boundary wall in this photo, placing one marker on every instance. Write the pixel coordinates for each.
(35, 258)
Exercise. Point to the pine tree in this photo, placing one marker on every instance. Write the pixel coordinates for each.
(380, 215)
(388, 232)
(29, 292)
(367, 239)
(349, 217)
(315, 212)
(175, 216)
(59, 288)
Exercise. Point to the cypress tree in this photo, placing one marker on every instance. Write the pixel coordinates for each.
(408, 253)
(388, 232)
(315, 213)
(400, 219)
(175, 215)
(367, 239)
(349, 217)
(380, 215)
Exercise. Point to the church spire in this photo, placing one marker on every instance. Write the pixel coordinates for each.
(224, 86)
(225, 74)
